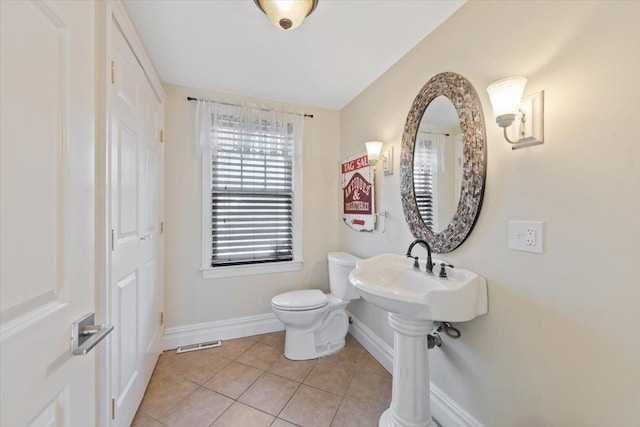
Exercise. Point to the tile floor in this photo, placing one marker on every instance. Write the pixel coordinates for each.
(248, 382)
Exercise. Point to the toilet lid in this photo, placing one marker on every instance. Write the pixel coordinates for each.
(307, 299)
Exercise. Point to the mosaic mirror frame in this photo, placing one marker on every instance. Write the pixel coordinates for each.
(467, 104)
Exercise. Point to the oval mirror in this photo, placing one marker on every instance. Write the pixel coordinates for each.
(443, 162)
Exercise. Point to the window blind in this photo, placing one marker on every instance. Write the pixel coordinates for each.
(251, 192)
(423, 181)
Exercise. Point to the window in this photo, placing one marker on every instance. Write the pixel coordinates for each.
(251, 168)
(252, 193)
(423, 178)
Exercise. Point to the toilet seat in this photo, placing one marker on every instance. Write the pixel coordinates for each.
(308, 299)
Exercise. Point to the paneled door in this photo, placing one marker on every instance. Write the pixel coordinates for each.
(47, 261)
(136, 159)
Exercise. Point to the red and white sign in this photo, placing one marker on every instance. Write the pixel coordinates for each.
(358, 193)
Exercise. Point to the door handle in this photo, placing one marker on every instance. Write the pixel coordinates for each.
(90, 330)
(147, 236)
(85, 334)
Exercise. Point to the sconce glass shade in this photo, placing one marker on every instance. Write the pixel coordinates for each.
(374, 148)
(505, 98)
(287, 14)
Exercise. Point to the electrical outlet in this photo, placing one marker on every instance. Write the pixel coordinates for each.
(526, 236)
(530, 236)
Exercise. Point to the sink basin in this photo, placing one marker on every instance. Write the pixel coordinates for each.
(390, 282)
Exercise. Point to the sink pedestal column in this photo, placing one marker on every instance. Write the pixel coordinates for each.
(410, 394)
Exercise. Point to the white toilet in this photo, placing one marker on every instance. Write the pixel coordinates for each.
(316, 323)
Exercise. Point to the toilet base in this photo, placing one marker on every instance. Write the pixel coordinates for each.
(303, 347)
(318, 341)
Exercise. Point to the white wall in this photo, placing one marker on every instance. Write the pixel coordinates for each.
(560, 344)
(189, 299)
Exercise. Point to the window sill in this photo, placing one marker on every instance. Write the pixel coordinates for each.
(248, 270)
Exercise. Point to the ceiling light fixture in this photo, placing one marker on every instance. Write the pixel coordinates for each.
(287, 14)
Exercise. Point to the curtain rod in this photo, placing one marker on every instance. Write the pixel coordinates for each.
(434, 133)
(190, 98)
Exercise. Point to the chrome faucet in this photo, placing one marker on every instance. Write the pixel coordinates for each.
(424, 243)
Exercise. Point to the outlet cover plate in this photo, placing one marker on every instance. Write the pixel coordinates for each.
(527, 236)
(387, 162)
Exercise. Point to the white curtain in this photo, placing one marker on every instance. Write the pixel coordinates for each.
(459, 162)
(202, 125)
(439, 151)
(422, 157)
(431, 146)
(249, 118)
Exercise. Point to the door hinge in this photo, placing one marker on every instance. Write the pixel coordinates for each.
(162, 227)
(113, 240)
(161, 135)
(113, 72)
(113, 409)
(162, 317)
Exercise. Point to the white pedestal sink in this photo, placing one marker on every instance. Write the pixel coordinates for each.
(414, 301)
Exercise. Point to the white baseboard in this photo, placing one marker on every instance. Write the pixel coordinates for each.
(220, 330)
(379, 349)
(447, 411)
(444, 410)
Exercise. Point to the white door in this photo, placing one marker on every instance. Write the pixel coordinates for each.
(47, 264)
(136, 156)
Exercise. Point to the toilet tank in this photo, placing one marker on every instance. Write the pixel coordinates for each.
(340, 265)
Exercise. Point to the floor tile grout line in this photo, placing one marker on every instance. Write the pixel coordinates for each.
(318, 389)
(262, 375)
(309, 373)
(246, 404)
(148, 415)
(289, 400)
(246, 389)
(258, 409)
(344, 396)
(223, 412)
(282, 419)
(288, 378)
(178, 402)
(337, 410)
(325, 391)
(243, 391)
(181, 377)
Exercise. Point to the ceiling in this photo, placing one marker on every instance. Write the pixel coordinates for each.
(230, 45)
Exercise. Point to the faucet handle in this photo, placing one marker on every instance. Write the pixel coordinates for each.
(443, 271)
(415, 263)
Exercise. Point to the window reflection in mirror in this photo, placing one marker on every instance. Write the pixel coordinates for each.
(437, 164)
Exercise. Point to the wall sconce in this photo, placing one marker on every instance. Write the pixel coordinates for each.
(374, 155)
(509, 107)
(374, 148)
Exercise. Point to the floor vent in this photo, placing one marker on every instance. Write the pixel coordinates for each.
(201, 346)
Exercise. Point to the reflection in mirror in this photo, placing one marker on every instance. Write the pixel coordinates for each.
(437, 164)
